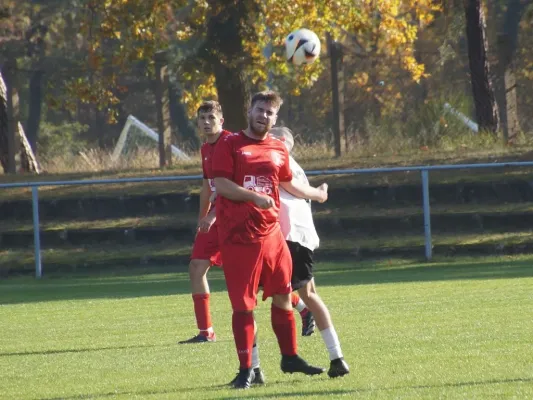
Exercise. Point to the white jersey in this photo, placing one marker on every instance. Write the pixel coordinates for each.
(295, 215)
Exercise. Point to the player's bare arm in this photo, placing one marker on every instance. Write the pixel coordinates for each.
(299, 189)
(205, 193)
(232, 191)
(207, 222)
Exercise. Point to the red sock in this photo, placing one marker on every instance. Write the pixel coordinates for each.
(295, 298)
(201, 310)
(285, 330)
(243, 332)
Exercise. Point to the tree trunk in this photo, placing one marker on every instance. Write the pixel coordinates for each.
(4, 156)
(27, 157)
(178, 115)
(28, 160)
(233, 95)
(35, 107)
(226, 30)
(484, 101)
(506, 94)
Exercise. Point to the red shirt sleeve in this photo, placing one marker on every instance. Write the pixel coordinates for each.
(223, 162)
(285, 173)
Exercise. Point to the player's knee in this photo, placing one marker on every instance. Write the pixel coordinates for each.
(306, 291)
(198, 268)
(282, 301)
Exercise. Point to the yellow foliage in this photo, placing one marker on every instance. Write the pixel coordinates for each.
(383, 29)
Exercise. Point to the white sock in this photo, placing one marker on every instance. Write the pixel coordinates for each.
(209, 331)
(255, 356)
(300, 306)
(332, 343)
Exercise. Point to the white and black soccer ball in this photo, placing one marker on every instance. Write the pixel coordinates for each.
(302, 47)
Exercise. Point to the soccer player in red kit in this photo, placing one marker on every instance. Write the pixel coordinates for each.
(206, 251)
(248, 168)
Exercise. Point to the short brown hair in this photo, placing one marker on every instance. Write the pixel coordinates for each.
(268, 96)
(209, 106)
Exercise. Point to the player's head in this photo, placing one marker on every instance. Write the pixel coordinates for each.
(285, 134)
(263, 111)
(209, 117)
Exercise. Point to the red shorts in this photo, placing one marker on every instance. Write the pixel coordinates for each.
(246, 264)
(206, 247)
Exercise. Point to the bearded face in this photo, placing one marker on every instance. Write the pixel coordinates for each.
(262, 117)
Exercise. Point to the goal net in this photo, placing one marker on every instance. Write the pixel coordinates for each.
(137, 135)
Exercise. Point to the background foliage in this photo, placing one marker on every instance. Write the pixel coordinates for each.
(90, 63)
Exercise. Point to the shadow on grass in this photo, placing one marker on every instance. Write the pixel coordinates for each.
(251, 395)
(72, 351)
(130, 285)
(136, 394)
(343, 392)
(343, 274)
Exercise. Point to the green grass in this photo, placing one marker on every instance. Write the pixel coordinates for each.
(455, 328)
(106, 256)
(324, 213)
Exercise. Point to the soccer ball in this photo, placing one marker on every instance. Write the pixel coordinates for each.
(302, 47)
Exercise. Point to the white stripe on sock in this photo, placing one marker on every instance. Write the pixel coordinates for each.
(300, 306)
(255, 356)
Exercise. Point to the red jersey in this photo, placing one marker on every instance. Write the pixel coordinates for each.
(206, 151)
(258, 165)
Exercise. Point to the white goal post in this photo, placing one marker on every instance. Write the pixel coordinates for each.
(467, 121)
(146, 131)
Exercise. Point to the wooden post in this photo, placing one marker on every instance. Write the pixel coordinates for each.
(13, 111)
(163, 112)
(337, 88)
(340, 77)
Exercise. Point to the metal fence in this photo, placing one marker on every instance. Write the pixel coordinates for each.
(424, 172)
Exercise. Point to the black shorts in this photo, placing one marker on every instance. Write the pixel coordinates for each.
(302, 264)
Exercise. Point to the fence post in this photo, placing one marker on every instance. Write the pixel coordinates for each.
(427, 214)
(36, 231)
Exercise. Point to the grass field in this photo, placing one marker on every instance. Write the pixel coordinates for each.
(453, 328)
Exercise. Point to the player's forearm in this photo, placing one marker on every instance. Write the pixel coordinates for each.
(204, 201)
(232, 191)
(302, 190)
(212, 212)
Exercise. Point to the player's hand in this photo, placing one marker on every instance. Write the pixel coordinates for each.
(323, 192)
(213, 197)
(206, 223)
(263, 201)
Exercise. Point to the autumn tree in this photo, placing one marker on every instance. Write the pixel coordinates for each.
(219, 44)
(227, 28)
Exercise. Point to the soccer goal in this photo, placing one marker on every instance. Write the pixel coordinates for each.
(136, 134)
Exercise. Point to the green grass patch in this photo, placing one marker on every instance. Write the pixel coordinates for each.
(357, 212)
(455, 328)
(172, 220)
(93, 256)
(107, 256)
